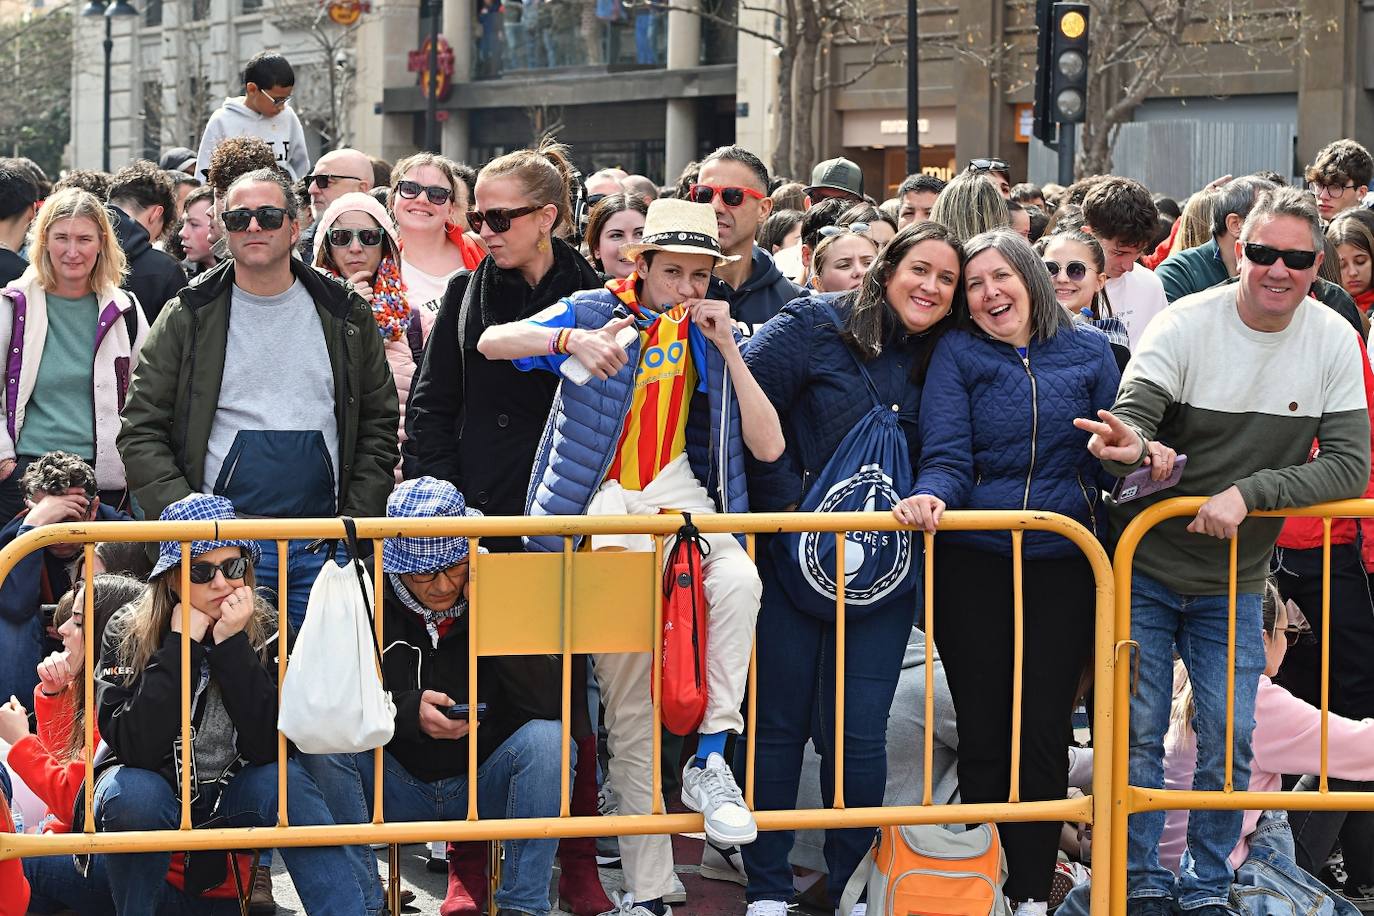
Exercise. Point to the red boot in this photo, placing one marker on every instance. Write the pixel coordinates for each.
(467, 880)
(579, 885)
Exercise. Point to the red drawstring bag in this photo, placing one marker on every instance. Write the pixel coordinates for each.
(684, 631)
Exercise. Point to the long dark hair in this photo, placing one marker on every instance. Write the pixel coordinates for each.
(1102, 306)
(601, 214)
(872, 322)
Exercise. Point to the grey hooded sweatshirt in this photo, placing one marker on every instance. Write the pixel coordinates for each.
(282, 131)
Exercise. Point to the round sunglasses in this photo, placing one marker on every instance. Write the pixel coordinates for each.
(343, 238)
(498, 218)
(1074, 270)
(434, 193)
(268, 218)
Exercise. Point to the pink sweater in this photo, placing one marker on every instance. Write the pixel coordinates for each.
(1287, 739)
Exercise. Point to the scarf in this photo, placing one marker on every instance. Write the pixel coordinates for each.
(437, 623)
(390, 307)
(624, 290)
(1365, 301)
(504, 296)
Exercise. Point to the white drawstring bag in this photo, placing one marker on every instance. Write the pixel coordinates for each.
(333, 701)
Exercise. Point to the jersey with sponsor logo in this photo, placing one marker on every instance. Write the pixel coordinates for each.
(655, 429)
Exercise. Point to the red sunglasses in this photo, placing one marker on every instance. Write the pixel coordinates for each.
(730, 196)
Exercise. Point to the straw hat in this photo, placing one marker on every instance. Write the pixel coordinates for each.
(680, 226)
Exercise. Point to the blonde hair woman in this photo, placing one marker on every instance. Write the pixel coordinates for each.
(71, 338)
(969, 205)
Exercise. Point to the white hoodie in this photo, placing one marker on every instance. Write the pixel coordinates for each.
(282, 131)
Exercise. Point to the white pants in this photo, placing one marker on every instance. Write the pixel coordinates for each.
(732, 599)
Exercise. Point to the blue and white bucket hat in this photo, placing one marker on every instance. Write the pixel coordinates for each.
(425, 497)
(199, 507)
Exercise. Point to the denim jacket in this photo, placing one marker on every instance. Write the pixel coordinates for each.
(1270, 883)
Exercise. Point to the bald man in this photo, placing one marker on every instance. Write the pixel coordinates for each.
(335, 174)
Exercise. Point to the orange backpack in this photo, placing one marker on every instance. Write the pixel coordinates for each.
(926, 870)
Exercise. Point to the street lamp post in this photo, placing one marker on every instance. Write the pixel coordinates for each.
(108, 11)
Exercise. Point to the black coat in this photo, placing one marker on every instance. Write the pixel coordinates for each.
(154, 276)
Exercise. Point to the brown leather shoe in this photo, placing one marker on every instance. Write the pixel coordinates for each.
(261, 902)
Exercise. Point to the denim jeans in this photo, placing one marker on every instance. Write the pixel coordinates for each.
(302, 565)
(520, 779)
(57, 886)
(796, 701)
(1162, 619)
(646, 37)
(21, 649)
(132, 799)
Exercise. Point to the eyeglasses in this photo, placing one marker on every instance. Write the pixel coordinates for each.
(1293, 259)
(323, 180)
(278, 102)
(730, 196)
(1074, 270)
(268, 218)
(1328, 190)
(436, 194)
(988, 165)
(204, 573)
(1293, 635)
(343, 238)
(452, 573)
(498, 218)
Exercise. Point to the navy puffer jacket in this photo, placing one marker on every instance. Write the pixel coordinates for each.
(808, 373)
(997, 432)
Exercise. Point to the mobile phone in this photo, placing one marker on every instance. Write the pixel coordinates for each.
(1138, 483)
(460, 711)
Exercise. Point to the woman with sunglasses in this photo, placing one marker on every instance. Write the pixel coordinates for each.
(356, 242)
(233, 679)
(477, 423)
(1077, 267)
(73, 338)
(616, 220)
(428, 198)
(997, 432)
(841, 259)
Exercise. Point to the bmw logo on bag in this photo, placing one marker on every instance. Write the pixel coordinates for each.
(876, 562)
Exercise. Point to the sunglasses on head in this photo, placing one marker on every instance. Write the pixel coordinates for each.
(498, 218)
(235, 568)
(988, 165)
(594, 199)
(1293, 259)
(411, 189)
(854, 228)
(730, 196)
(342, 238)
(268, 218)
(323, 180)
(1074, 270)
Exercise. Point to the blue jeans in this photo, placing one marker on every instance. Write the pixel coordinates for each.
(646, 37)
(1162, 619)
(520, 779)
(21, 649)
(796, 701)
(133, 799)
(302, 565)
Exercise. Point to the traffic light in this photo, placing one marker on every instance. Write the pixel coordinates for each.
(1067, 64)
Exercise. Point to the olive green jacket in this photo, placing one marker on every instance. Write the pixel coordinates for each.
(175, 391)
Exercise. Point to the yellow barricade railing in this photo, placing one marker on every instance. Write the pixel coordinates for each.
(1127, 799)
(522, 604)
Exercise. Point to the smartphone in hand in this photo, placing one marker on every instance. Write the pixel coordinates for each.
(1138, 483)
(460, 711)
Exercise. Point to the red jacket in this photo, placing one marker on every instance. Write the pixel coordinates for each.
(14, 888)
(1306, 533)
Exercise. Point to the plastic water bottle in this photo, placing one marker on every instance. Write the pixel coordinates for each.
(575, 371)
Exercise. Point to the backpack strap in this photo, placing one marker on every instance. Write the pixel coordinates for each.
(131, 324)
(415, 336)
(863, 370)
(857, 883)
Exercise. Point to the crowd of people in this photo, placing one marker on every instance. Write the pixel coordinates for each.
(433, 340)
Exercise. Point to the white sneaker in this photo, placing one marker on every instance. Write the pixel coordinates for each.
(723, 863)
(1032, 908)
(768, 908)
(711, 791)
(625, 906)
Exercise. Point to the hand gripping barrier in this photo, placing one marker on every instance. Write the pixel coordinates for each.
(523, 604)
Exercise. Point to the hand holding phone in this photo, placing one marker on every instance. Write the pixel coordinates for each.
(1141, 482)
(460, 711)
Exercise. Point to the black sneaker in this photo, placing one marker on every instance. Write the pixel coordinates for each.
(1361, 897)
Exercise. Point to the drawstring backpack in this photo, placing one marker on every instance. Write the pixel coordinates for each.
(684, 631)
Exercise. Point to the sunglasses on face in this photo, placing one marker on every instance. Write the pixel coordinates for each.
(322, 180)
(411, 189)
(278, 102)
(988, 165)
(730, 196)
(343, 238)
(498, 218)
(1293, 259)
(1074, 270)
(204, 573)
(268, 218)
(1293, 635)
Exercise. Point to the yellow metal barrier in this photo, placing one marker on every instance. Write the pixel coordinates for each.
(1127, 799)
(524, 604)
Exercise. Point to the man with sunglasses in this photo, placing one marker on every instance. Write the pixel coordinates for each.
(735, 183)
(336, 173)
(262, 111)
(266, 383)
(1241, 378)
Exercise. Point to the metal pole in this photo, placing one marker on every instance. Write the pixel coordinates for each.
(109, 51)
(432, 102)
(1067, 141)
(913, 95)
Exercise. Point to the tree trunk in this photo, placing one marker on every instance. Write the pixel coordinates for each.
(787, 57)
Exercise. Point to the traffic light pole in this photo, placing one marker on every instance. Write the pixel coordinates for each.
(913, 85)
(1067, 144)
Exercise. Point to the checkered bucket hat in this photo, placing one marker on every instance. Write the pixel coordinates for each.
(199, 507)
(425, 497)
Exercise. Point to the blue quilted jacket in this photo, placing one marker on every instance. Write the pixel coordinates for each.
(584, 426)
(997, 432)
